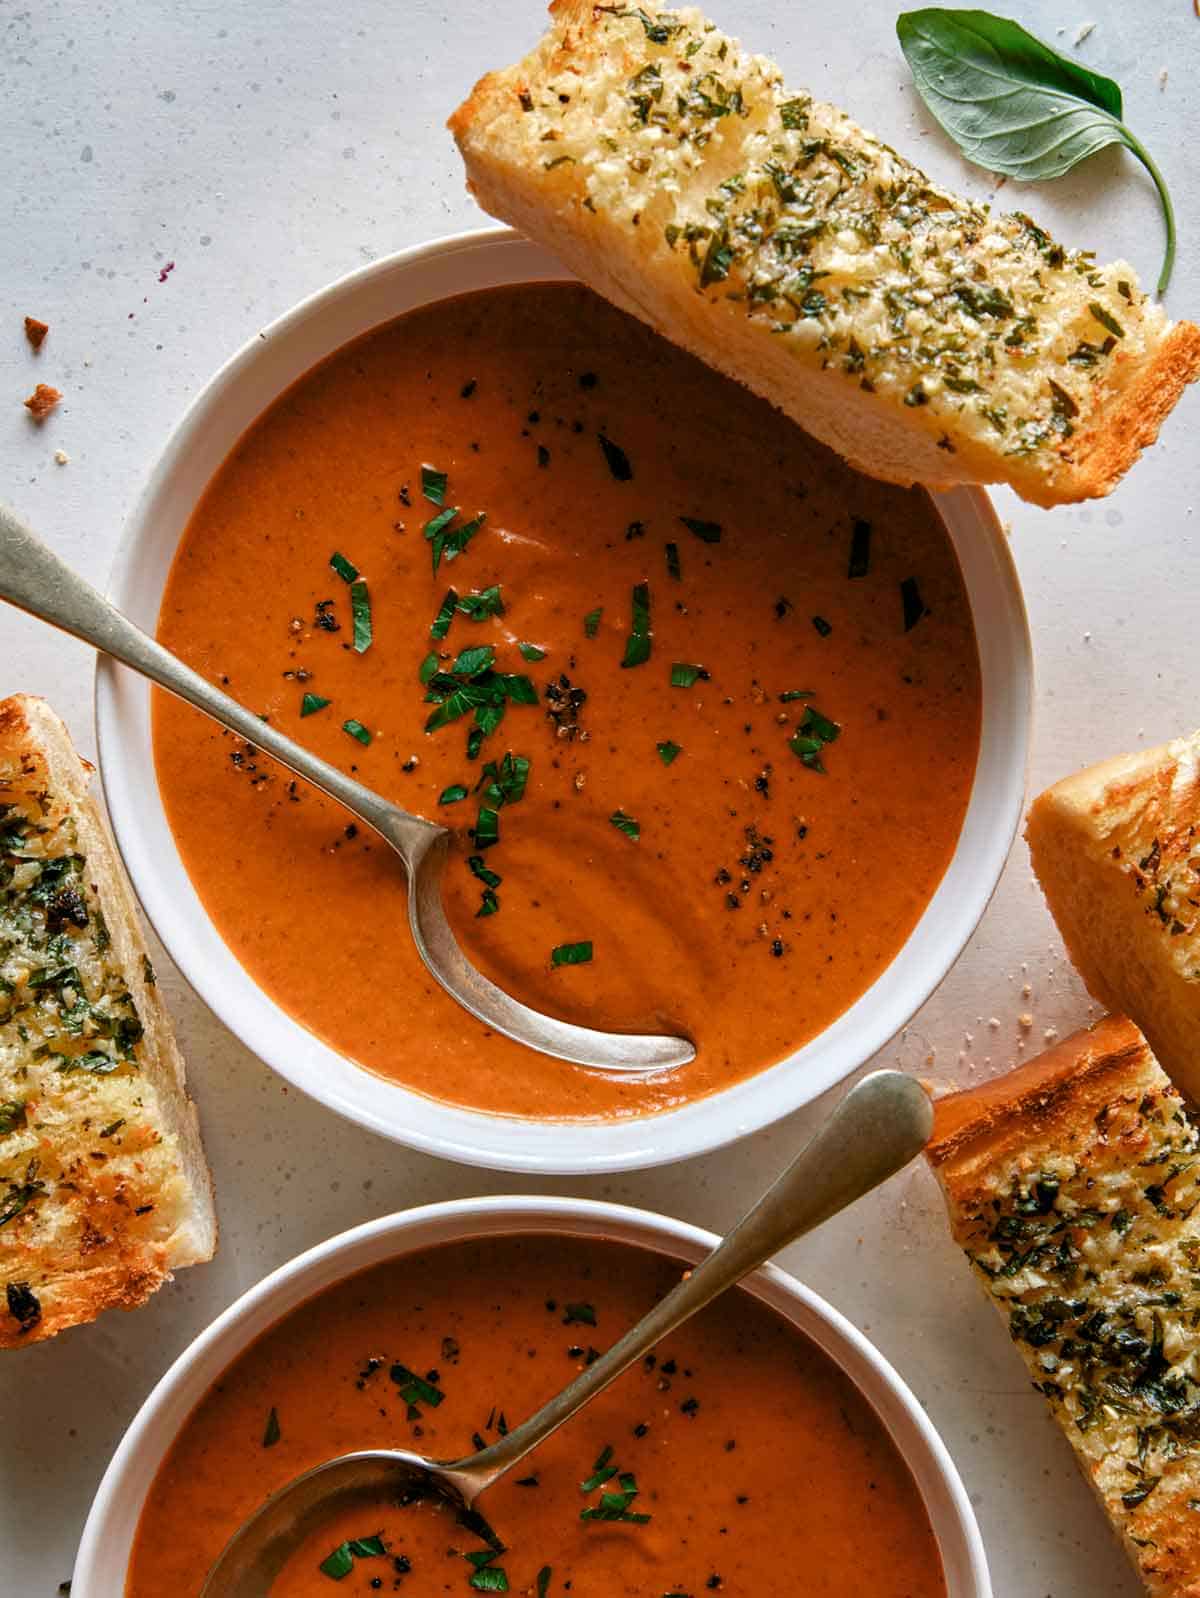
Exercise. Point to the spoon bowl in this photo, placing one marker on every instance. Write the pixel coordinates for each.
(34, 579)
(881, 1124)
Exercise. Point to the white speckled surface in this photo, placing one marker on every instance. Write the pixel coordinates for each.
(266, 149)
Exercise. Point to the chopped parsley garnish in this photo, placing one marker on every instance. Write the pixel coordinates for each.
(452, 794)
(360, 610)
(914, 605)
(271, 1432)
(639, 642)
(311, 703)
(433, 485)
(613, 1505)
(345, 569)
(481, 603)
(618, 461)
(415, 1390)
(579, 1314)
(668, 750)
(629, 825)
(357, 730)
(815, 731)
(822, 626)
(709, 532)
(674, 569)
(571, 953)
(531, 652)
(860, 548)
(445, 615)
(341, 1561)
(683, 675)
(591, 622)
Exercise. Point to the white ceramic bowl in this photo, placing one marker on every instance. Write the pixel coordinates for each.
(100, 1567)
(238, 394)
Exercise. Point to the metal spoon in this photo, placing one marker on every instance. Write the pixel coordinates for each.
(34, 579)
(879, 1126)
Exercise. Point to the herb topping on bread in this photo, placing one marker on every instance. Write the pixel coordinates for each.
(103, 1184)
(924, 338)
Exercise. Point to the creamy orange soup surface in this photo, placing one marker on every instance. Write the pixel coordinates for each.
(705, 703)
(737, 1460)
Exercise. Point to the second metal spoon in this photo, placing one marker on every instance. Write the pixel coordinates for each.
(33, 578)
(879, 1126)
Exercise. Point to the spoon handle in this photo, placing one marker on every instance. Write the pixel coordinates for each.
(879, 1126)
(34, 579)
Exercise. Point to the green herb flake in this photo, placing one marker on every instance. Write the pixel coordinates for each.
(1106, 320)
(579, 1314)
(489, 1578)
(340, 1562)
(823, 627)
(591, 622)
(571, 953)
(428, 668)
(707, 532)
(452, 794)
(913, 605)
(360, 610)
(445, 615)
(629, 825)
(639, 642)
(433, 485)
(618, 461)
(311, 703)
(531, 652)
(344, 568)
(481, 603)
(415, 1389)
(674, 569)
(790, 694)
(271, 1432)
(668, 750)
(860, 548)
(684, 675)
(811, 737)
(543, 1581)
(357, 730)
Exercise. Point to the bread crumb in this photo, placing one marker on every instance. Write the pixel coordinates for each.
(35, 331)
(1050, 1034)
(1025, 1020)
(61, 458)
(42, 401)
(1162, 78)
(994, 1022)
(1027, 991)
(1085, 32)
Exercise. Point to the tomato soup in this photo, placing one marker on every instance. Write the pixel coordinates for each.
(737, 1459)
(699, 704)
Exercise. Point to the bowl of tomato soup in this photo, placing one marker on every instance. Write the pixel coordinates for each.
(730, 739)
(767, 1430)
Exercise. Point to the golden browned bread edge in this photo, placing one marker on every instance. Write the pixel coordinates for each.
(79, 1294)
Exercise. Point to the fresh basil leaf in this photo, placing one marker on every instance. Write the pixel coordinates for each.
(1014, 105)
(470, 662)
(790, 694)
(452, 794)
(489, 878)
(433, 485)
(272, 1432)
(914, 606)
(339, 1563)
(591, 622)
(360, 610)
(428, 668)
(311, 703)
(531, 652)
(491, 1578)
(481, 603)
(519, 689)
(860, 548)
(357, 730)
(487, 828)
(638, 644)
(667, 751)
(674, 569)
(571, 953)
(344, 568)
(543, 1581)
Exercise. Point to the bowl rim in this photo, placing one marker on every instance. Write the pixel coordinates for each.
(403, 281)
(113, 1516)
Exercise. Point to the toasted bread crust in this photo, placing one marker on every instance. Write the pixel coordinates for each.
(1071, 1186)
(1116, 848)
(624, 258)
(118, 1192)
